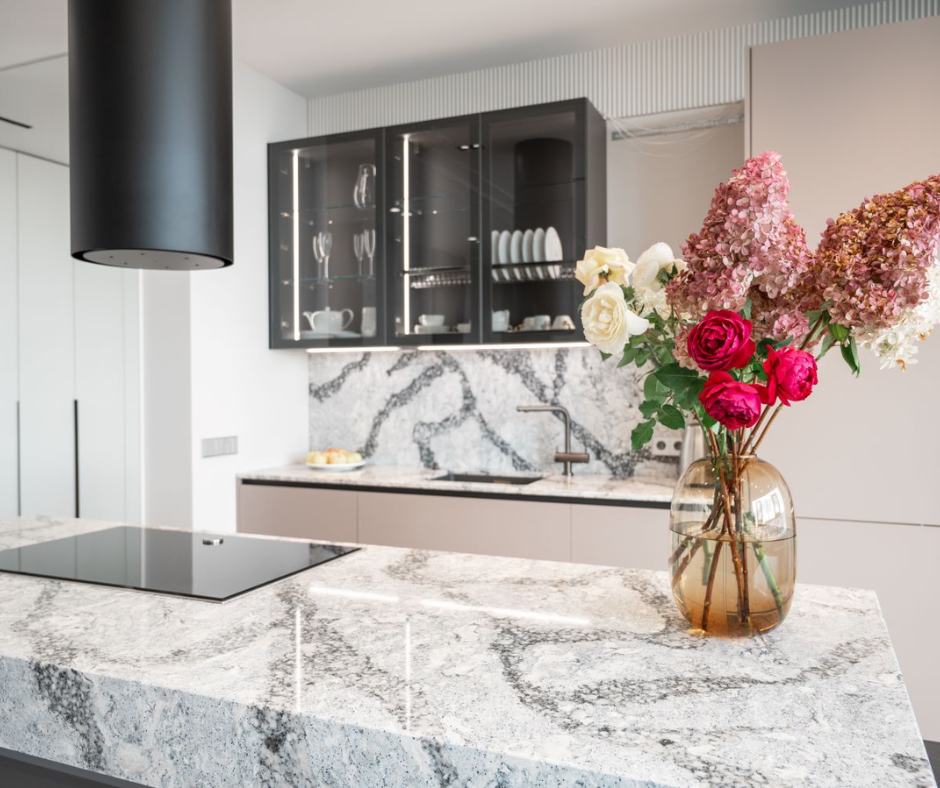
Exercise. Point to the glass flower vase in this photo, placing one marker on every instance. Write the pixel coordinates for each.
(733, 560)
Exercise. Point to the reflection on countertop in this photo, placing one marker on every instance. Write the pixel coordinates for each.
(591, 488)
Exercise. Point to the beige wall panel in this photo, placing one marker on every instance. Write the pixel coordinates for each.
(854, 114)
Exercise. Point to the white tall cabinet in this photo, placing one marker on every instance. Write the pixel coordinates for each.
(9, 476)
(46, 340)
(70, 376)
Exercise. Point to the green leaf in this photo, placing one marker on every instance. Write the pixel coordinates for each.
(839, 333)
(688, 397)
(629, 354)
(850, 354)
(653, 389)
(674, 377)
(664, 276)
(649, 408)
(605, 356)
(827, 343)
(746, 312)
(643, 356)
(670, 416)
(628, 292)
(641, 435)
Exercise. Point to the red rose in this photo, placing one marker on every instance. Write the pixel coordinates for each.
(730, 402)
(722, 341)
(791, 375)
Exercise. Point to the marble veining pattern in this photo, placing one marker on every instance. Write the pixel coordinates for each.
(576, 488)
(457, 410)
(402, 667)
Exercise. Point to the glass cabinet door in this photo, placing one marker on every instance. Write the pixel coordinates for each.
(534, 227)
(432, 220)
(327, 244)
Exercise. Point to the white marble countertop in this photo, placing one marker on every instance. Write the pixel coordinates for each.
(400, 667)
(386, 477)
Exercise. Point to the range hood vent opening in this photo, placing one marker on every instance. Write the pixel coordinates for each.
(150, 133)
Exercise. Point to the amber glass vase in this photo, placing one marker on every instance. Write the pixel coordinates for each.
(733, 559)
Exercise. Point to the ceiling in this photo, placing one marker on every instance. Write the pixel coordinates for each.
(317, 47)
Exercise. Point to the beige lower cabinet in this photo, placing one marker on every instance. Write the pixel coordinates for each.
(517, 529)
(628, 536)
(302, 512)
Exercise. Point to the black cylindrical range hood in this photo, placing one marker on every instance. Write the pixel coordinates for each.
(150, 125)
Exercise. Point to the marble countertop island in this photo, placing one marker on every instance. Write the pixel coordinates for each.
(578, 488)
(398, 667)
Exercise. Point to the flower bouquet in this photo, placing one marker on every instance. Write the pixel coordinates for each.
(730, 335)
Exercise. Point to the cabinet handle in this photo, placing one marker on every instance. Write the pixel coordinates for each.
(78, 508)
(19, 470)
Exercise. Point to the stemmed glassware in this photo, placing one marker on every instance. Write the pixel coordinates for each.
(364, 249)
(322, 246)
(364, 192)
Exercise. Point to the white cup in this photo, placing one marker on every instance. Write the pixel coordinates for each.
(431, 320)
(368, 321)
(537, 323)
(563, 323)
(501, 320)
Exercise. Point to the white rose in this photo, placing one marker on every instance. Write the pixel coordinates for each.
(658, 257)
(602, 265)
(608, 322)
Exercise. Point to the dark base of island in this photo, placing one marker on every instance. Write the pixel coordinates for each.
(25, 771)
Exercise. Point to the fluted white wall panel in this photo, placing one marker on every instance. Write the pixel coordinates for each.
(637, 79)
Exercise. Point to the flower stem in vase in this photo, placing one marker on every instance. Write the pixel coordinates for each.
(711, 585)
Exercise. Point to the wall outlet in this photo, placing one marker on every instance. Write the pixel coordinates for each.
(666, 443)
(219, 447)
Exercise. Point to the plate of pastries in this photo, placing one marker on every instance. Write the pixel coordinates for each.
(335, 460)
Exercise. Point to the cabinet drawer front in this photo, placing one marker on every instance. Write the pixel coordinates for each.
(620, 536)
(302, 512)
(517, 529)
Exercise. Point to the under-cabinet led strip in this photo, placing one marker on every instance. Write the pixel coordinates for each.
(295, 194)
(406, 235)
(449, 348)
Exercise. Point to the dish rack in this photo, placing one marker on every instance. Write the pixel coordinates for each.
(533, 272)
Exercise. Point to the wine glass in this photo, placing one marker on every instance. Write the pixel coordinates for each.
(322, 246)
(368, 240)
(364, 193)
(359, 248)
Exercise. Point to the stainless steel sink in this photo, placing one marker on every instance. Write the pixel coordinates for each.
(485, 478)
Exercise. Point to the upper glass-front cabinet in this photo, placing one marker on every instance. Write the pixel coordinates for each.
(432, 220)
(327, 253)
(544, 188)
(457, 231)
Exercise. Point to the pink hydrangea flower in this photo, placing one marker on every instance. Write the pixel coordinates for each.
(749, 241)
(874, 261)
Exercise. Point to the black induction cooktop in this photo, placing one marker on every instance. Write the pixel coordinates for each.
(215, 567)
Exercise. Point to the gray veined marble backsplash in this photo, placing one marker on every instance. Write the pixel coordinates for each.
(458, 410)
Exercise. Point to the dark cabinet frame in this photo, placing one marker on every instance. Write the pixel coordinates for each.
(393, 279)
(590, 166)
(275, 149)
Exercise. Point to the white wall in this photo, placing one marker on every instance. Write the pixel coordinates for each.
(239, 386)
(855, 114)
(167, 398)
